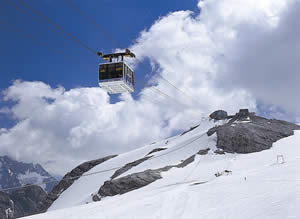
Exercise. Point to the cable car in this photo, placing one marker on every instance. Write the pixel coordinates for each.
(116, 76)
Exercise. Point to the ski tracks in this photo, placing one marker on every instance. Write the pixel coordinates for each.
(174, 203)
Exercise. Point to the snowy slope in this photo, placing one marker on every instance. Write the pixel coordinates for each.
(81, 191)
(257, 188)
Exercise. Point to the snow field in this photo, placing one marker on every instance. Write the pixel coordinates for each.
(258, 187)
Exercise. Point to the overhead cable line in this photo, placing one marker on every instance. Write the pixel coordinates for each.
(92, 20)
(59, 29)
(172, 85)
(78, 42)
(163, 94)
(17, 30)
(107, 35)
(70, 36)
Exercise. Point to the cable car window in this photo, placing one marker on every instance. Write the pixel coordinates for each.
(129, 75)
(103, 73)
(110, 71)
(125, 69)
(119, 70)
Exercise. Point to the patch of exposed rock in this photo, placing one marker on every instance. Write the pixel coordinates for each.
(204, 151)
(191, 129)
(138, 180)
(20, 203)
(129, 166)
(6, 206)
(156, 150)
(248, 133)
(129, 183)
(68, 180)
(219, 151)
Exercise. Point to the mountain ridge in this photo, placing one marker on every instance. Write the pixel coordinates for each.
(195, 160)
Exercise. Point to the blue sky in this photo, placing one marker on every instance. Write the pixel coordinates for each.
(25, 59)
(64, 63)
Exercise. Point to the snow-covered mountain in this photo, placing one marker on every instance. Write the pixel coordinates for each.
(22, 201)
(240, 166)
(15, 174)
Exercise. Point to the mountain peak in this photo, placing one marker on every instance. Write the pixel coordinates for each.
(15, 173)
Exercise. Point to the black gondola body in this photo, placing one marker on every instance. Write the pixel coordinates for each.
(116, 77)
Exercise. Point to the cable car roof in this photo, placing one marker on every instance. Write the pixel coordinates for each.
(109, 57)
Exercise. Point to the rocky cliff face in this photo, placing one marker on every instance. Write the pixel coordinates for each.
(15, 174)
(20, 203)
(247, 133)
(68, 180)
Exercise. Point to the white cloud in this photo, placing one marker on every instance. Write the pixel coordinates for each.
(265, 61)
(75, 125)
(196, 53)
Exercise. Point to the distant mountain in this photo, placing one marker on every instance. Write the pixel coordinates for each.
(22, 201)
(15, 174)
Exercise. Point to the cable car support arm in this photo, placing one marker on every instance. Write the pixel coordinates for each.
(110, 57)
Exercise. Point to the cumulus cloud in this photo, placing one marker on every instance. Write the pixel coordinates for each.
(62, 128)
(210, 58)
(265, 61)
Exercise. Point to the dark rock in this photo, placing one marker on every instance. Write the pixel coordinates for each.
(22, 202)
(191, 129)
(129, 183)
(27, 199)
(218, 115)
(96, 198)
(68, 180)
(135, 181)
(156, 150)
(248, 133)
(186, 162)
(212, 131)
(128, 167)
(6, 206)
(219, 151)
(204, 151)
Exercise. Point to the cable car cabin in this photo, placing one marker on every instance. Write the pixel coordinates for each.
(116, 77)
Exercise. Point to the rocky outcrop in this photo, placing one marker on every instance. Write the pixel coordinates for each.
(20, 203)
(128, 183)
(6, 206)
(129, 166)
(191, 129)
(219, 151)
(156, 150)
(204, 152)
(138, 180)
(68, 180)
(26, 200)
(248, 133)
